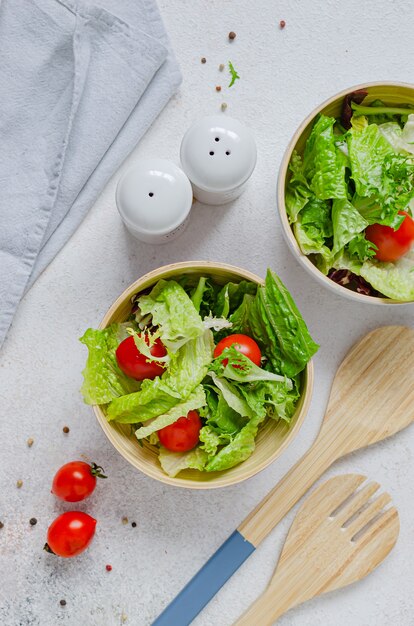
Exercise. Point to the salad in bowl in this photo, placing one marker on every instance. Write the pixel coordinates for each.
(196, 368)
(349, 195)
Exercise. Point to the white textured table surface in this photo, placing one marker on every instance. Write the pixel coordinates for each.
(326, 46)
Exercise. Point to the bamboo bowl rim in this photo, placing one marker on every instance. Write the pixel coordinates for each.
(216, 479)
(281, 183)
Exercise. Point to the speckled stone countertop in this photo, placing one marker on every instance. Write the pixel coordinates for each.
(324, 47)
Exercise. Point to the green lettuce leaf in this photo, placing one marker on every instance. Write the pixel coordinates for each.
(297, 192)
(231, 296)
(103, 380)
(195, 400)
(232, 396)
(394, 280)
(279, 328)
(274, 399)
(238, 450)
(314, 227)
(360, 248)
(367, 150)
(347, 222)
(174, 462)
(186, 370)
(234, 365)
(324, 165)
(174, 312)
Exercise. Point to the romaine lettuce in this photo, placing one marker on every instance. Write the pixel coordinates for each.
(174, 462)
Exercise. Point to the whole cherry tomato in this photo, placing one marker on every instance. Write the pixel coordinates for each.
(242, 343)
(135, 364)
(392, 244)
(183, 435)
(70, 534)
(76, 480)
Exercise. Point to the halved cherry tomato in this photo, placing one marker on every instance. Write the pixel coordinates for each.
(76, 480)
(392, 244)
(183, 435)
(242, 343)
(70, 533)
(135, 364)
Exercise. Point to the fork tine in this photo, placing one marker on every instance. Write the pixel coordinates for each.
(388, 519)
(359, 499)
(368, 514)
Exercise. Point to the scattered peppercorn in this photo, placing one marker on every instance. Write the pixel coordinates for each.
(203, 60)
(108, 568)
(282, 24)
(232, 35)
(221, 67)
(223, 106)
(19, 484)
(66, 429)
(1, 525)
(62, 602)
(30, 442)
(125, 520)
(218, 88)
(33, 521)
(133, 524)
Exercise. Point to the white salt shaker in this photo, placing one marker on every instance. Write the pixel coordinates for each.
(218, 154)
(154, 200)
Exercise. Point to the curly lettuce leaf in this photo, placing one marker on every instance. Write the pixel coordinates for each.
(195, 400)
(156, 397)
(173, 312)
(324, 165)
(102, 379)
(361, 248)
(174, 462)
(235, 366)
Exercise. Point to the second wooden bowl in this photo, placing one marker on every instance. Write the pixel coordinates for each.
(391, 94)
(272, 438)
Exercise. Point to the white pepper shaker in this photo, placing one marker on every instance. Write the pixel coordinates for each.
(218, 154)
(154, 200)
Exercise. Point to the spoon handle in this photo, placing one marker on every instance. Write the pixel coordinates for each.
(288, 491)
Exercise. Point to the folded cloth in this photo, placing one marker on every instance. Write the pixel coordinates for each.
(79, 86)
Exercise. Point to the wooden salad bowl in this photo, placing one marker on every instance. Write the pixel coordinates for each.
(391, 94)
(273, 437)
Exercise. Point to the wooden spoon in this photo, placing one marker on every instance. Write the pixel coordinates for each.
(372, 397)
(338, 536)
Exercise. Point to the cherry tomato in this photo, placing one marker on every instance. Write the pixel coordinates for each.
(70, 533)
(76, 481)
(135, 364)
(392, 244)
(183, 435)
(242, 343)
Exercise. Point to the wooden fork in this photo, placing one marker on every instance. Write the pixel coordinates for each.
(338, 536)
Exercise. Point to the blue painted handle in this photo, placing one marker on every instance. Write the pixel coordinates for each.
(205, 584)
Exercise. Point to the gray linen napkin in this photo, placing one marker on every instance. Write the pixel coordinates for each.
(80, 83)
